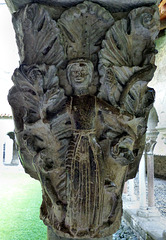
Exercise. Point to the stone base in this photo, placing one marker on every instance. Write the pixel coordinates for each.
(142, 212)
(151, 228)
(128, 202)
(153, 212)
(130, 198)
(148, 212)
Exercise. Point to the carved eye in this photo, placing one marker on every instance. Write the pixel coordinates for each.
(147, 20)
(74, 73)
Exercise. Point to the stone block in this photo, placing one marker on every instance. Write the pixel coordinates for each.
(112, 5)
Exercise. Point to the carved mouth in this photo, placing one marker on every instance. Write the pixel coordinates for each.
(79, 80)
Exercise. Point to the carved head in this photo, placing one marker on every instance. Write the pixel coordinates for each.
(79, 73)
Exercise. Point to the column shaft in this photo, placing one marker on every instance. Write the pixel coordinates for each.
(150, 172)
(131, 190)
(142, 183)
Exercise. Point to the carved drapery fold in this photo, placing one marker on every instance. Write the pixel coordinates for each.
(80, 103)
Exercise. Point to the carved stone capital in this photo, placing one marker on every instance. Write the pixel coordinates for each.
(80, 104)
(151, 140)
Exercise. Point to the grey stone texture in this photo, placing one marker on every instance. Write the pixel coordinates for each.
(112, 5)
(80, 104)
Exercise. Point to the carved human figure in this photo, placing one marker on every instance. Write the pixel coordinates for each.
(84, 158)
(80, 103)
(90, 187)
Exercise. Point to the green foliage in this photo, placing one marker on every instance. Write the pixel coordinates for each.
(20, 201)
(160, 42)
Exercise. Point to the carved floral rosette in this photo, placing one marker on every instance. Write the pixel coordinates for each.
(80, 104)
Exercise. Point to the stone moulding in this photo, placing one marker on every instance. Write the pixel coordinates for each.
(112, 5)
(80, 104)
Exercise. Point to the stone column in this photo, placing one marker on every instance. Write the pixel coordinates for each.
(8, 151)
(128, 191)
(125, 189)
(142, 188)
(131, 190)
(151, 137)
(150, 172)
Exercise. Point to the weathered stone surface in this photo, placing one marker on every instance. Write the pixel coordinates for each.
(80, 103)
(111, 5)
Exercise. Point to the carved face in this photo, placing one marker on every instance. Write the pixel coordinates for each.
(80, 75)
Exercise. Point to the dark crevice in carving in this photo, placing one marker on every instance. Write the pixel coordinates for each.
(115, 38)
(38, 138)
(128, 26)
(68, 123)
(68, 34)
(135, 151)
(41, 24)
(46, 50)
(49, 165)
(131, 96)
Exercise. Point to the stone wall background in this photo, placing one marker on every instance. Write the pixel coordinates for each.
(160, 166)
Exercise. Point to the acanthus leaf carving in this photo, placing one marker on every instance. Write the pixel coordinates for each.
(125, 61)
(83, 28)
(38, 36)
(82, 107)
(123, 45)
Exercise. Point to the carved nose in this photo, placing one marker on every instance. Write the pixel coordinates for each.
(78, 74)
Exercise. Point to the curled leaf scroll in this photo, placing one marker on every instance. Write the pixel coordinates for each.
(126, 59)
